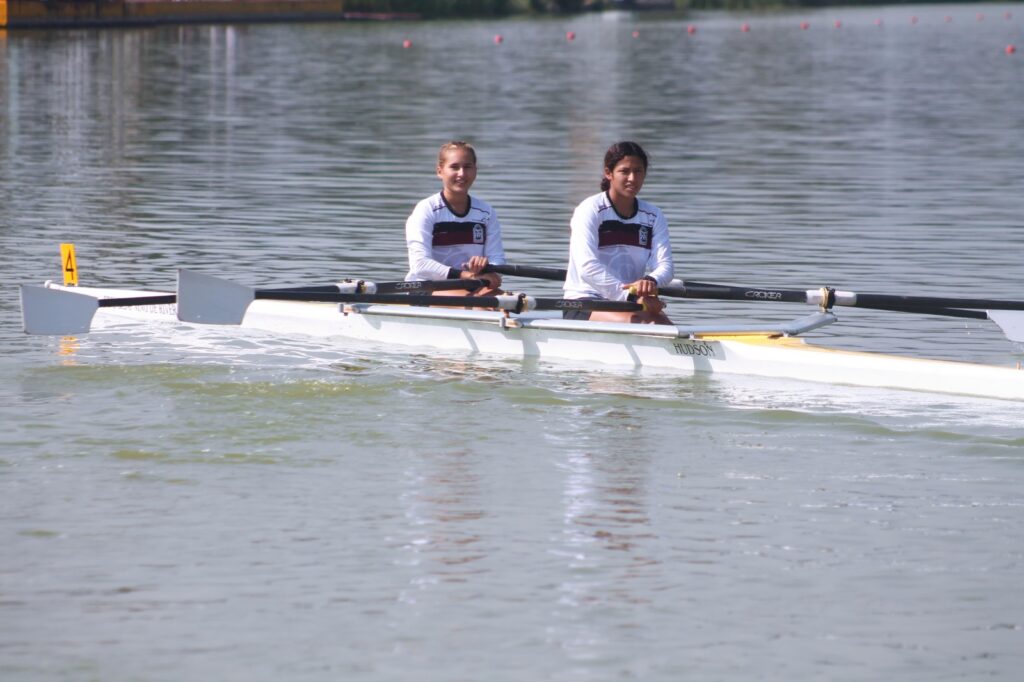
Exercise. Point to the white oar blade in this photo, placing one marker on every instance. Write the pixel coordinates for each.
(55, 311)
(1010, 321)
(211, 300)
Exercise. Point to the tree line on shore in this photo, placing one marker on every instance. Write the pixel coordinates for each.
(497, 8)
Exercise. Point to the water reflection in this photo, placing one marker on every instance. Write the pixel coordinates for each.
(67, 350)
(611, 554)
(443, 506)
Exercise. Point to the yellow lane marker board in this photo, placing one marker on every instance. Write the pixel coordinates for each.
(68, 264)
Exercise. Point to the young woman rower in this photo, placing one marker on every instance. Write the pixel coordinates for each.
(451, 235)
(619, 248)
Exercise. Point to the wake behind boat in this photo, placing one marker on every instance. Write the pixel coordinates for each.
(518, 329)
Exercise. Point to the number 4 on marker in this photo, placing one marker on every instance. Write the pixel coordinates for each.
(67, 259)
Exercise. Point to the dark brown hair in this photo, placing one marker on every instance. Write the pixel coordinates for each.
(617, 152)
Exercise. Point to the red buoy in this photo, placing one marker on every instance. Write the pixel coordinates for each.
(838, 24)
(691, 29)
(407, 43)
(636, 34)
(570, 36)
(745, 28)
(498, 39)
(804, 25)
(1010, 49)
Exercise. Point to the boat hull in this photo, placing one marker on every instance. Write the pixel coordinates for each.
(771, 351)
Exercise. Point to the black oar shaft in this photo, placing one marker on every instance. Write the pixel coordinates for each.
(730, 293)
(909, 302)
(391, 299)
(925, 304)
(530, 271)
(593, 304)
(303, 293)
(136, 300)
(315, 289)
(430, 285)
(383, 287)
(932, 310)
(504, 302)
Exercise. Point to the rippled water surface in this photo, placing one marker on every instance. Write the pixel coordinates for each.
(181, 503)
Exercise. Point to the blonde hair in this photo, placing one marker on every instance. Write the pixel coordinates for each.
(454, 144)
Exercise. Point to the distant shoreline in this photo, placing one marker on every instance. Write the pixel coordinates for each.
(75, 14)
(43, 14)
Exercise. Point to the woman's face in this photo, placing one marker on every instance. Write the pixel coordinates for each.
(457, 172)
(627, 177)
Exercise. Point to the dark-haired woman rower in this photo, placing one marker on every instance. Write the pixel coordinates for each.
(619, 249)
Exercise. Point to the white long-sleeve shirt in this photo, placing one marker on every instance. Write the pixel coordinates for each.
(607, 250)
(440, 240)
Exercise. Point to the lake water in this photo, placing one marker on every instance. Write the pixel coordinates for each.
(183, 504)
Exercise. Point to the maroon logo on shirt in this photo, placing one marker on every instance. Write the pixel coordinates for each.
(454, 234)
(618, 233)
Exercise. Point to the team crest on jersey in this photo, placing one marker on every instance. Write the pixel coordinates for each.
(617, 233)
(478, 233)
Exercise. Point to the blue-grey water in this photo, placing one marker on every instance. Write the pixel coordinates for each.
(201, 504)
